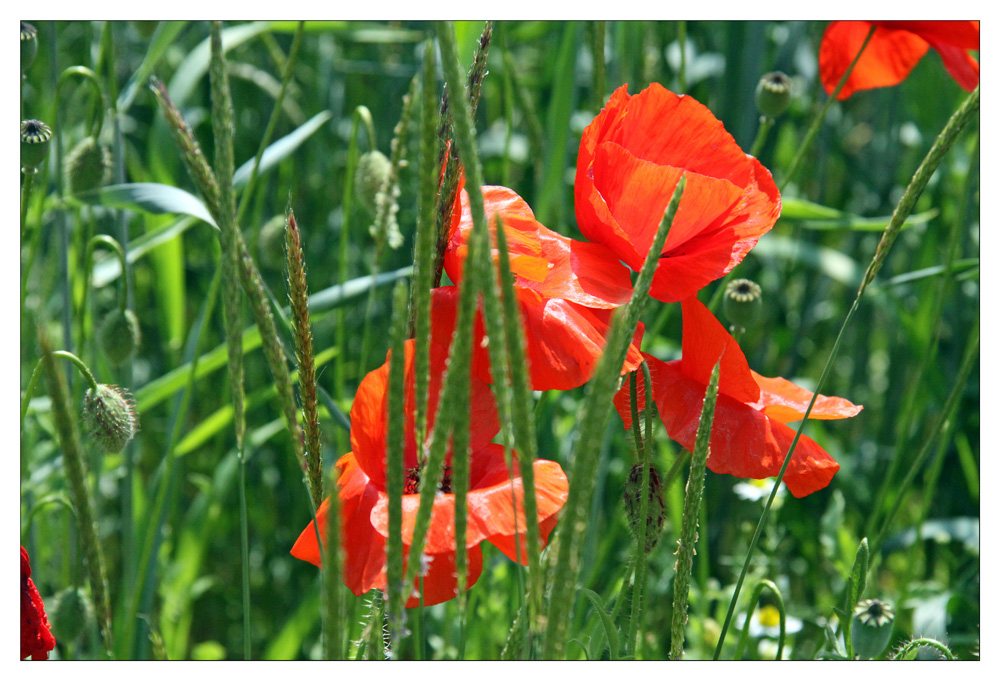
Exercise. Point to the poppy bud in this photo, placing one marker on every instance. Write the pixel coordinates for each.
(119, 335)
(871, 628)
(741, 304)
(655, 510)
(372, 172)
(35, 137)
(29, 45)
(109, 417)
(88, 166)
(69, 614)
(774, 94)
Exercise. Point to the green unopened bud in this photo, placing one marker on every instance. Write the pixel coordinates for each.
(372, 172)
(741, 304)
(88, 166)
(119, 335)
(871, 628)
(35, 137)
(29, 45)
(774, 94)
(69, 614)
(655, 508)
(109, 417)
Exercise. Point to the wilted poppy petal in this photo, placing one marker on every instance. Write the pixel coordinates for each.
(703, 343)
(364, 548)
(889, 57)
(544, 261)
(744, 441)
(631, 157)
(784, 401)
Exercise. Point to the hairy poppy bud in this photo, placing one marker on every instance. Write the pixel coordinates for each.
(872, 628)
(372, 172)
(119, 335)
(69, 613)
(35, 137)
(109, 417)
(774, 94)
(655, 510)
(88, 166)
(741, 304)
(29, 45)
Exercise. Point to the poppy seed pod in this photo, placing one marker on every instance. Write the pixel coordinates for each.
(741, 303)
(88, 166)
(372, 171)
(69, 614)
(872, 628)
(35, 137)
(29, 45)
(774, 94)
(119, 335)
(655, 511)
(109, 417)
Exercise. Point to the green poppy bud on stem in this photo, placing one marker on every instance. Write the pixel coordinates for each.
(741, 304)
(88, 166)
(29, 45)
(656, 509)
(109, 417)
(774, 94)
(371, 174)
(871, 628)
(35, 137)
(69, 614)
(119, 335)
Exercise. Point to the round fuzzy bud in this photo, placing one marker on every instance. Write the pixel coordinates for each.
(774, 94)
(69, 614)
(109, 417)
(119, 335)
(88, 166)
(372, 171)
(35, 137)
(741, 303)
(871, 628)
(655, 508)
(29, 45)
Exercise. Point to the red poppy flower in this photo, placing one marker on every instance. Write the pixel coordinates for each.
(36, 639)
(364, 502)
(566, 288)
(749, 436)
(893, 51)
(631, 157)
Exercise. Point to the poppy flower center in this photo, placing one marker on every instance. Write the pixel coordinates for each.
(412, 483)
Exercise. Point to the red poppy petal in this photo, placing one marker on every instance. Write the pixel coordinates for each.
(963, 34)
(959, 63)
(440, 580)
(703, 343)
(36, 638)
(785, 402)
(744, 441)
(542, 260)
(364, 548)
(889, 57)
(622, 399)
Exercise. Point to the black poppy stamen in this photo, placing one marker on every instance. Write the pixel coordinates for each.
(412, 482)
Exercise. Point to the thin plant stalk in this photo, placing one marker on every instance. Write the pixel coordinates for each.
(754, 600)
(593, 419)
(689, 521)
(397, 592)
(904, 207)
(643, 446)
(821, 116)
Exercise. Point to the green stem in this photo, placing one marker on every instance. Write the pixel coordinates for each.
(244, 553)
(766, 123)
(682, 41)
(779, 604)
(26, 186)
(821, 116)
(78, 363)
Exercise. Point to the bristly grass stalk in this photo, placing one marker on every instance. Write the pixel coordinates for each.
(689, 521)
(592, 421)
(821, 116)
(76, 475)
(904, 207)
(223, 131)
(643, 446)
(397, 591)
